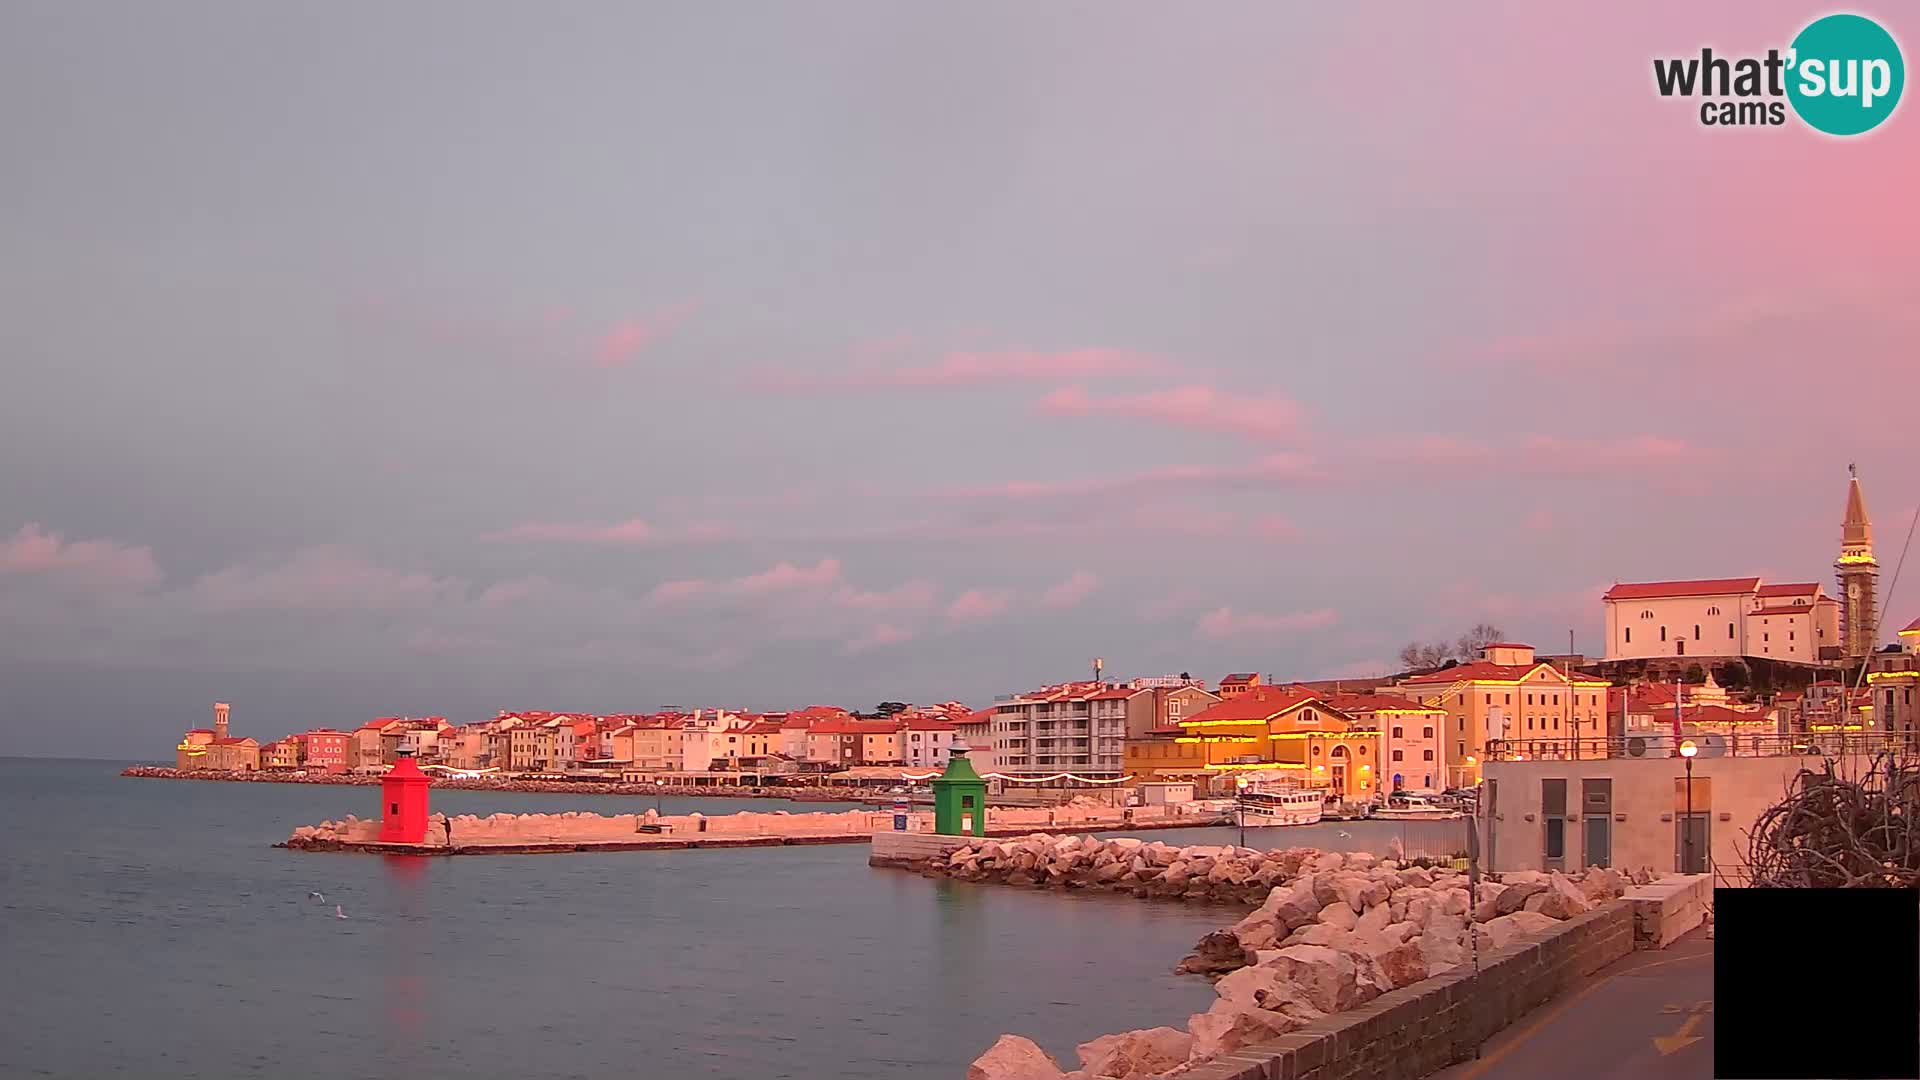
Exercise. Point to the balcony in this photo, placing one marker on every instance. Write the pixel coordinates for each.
(1710, 744)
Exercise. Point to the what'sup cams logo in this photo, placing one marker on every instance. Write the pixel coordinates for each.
(1842, 75)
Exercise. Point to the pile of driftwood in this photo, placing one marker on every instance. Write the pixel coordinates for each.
(1834, 831)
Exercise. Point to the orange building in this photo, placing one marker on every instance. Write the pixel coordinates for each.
(1264, 729)
(324, 749)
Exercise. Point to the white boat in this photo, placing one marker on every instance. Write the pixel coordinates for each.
(1405, 806)
(1291, 806)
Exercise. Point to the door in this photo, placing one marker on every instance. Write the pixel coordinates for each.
(1599, 841)
(1692, 840)
(1553, 820)
(1596, 817)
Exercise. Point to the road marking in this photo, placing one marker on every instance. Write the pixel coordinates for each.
(1679, 1040)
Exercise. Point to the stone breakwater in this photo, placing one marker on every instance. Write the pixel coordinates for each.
(576, 831)
(554, 787)
(1332, 932)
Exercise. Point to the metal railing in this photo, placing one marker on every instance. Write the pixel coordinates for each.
(1708, 744)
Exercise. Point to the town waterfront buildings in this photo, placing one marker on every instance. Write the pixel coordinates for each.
(1505, 694)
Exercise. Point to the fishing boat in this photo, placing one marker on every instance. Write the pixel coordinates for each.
(1407, 806)
(1261, 805)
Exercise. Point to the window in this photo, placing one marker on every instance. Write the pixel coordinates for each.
(1460, 724)
(1556, 699)
(1426, 733)
(1489, 699)
(1316, 751)
(1646, 614)
(1529, 699)
(1509, 700)
(1766, 637)
(1363, 750)
(1426, 755)
(1729, 631)
(1556, 723)
(1629, 635)
(1529, 723)
(1713, 611)
(1397, 755)
(1396, 731)
(1663, 633)
(1789, 635)
(1696, 631)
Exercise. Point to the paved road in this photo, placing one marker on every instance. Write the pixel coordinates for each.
(1648, 1016)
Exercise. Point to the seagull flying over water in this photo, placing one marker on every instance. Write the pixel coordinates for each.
(338, 912)
(318, 895)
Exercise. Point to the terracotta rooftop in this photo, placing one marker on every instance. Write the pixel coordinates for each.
(1375, 702)
(1798, 589)
(1656, 590)
(1258, 703)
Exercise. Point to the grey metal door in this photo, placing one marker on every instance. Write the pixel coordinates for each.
(1599, 840)
(1691, 857)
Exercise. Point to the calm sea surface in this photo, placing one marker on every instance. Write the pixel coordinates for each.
(148, 929)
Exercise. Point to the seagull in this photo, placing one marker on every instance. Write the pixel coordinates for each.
(1345, 835)
(318, 895)
(338, 912)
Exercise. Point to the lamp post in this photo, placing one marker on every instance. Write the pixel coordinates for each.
(659, 792)
(1687, 750)
(1240, 806)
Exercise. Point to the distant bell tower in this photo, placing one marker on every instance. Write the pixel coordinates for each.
(220, 720)
(1859, 574)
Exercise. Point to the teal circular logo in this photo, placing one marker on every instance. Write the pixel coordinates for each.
(1845, 74)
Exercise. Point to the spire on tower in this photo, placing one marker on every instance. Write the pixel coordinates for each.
(1857, 529)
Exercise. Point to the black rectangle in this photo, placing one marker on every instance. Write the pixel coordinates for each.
(1837, 970)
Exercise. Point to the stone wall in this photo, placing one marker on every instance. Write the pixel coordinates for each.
(1664, 910)
(1408, 1033)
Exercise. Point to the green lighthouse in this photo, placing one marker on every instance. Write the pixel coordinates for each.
(959, 797)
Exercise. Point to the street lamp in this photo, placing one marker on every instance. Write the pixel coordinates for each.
(659, 791)
(1687, 750)
(1240, 805)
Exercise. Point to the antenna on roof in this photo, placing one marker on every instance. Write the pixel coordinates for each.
(1099, 665)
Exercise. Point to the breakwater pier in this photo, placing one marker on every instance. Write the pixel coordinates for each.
(527, 834)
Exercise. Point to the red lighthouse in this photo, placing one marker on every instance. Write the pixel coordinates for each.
(403, 799)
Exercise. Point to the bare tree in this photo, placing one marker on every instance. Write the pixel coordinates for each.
(1421, 655)
(1481, 636)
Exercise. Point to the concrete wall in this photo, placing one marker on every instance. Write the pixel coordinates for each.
(1648, 800)
(1437, 1022)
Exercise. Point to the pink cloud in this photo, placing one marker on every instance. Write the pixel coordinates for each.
(1224, 622)
(782, 577)
(977, 604)
(1543, 454)
(918, 595)
(668, 592)
(321, 579)
(878, 636)
(1540, 520)
(976, 369)
(510, 593)
(1266, 418)
(87, 563)
(631, 531)
(629, 338)
(1069, 593)
(1279, 468)
(1275, 527)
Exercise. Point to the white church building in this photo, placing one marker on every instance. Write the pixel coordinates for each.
(1722, 619)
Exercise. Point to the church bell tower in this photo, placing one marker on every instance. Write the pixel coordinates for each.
(1858, 573)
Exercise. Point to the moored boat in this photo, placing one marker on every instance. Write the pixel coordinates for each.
(1406, 806)
(1259, 806)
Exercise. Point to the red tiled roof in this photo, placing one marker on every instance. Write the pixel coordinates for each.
(1358, 703)
(1258, 703)
(928, 723)
(1655, 590)
(1912, 627)
(1479, 669)
(1720, 714)
(1797, 589)
(763, 727)
(200, 731)
(1784, 612)
(1236, 680)
(853, 727)
(1116, 694)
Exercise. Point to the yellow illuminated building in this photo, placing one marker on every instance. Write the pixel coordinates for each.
(1265, 729)
(1509, 695)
